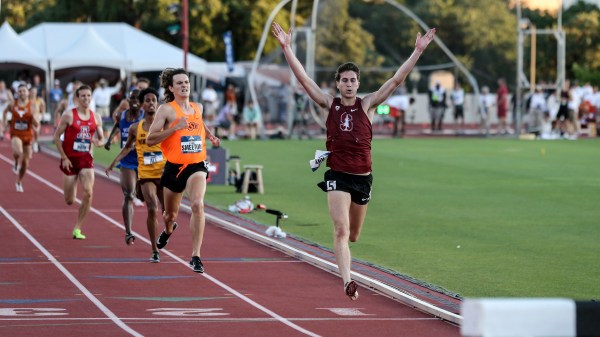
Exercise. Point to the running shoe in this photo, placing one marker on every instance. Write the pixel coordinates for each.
(196, 264)
(163, 238)
(78, 235)
(19, 187)
(129, 239)
(36, 147)
(155, 258)
(351, 289)
(137, 202)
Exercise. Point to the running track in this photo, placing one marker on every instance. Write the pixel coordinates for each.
(52, 285)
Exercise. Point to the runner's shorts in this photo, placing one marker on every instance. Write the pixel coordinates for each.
(175, 179)
(358, 186)
(78, 163)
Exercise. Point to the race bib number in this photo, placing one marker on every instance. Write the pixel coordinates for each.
(191, 144)
(21, 125)
(82, 145)
(152, 157)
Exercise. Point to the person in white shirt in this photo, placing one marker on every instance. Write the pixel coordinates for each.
(399, 103)
(486, 102)
(102, 95)
(537, 108)
(210, 101)
(457, 98)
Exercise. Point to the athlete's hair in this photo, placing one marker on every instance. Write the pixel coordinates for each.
(82, 87)
(143, 79)
(348, 66)
(147, 91)
(166, 80)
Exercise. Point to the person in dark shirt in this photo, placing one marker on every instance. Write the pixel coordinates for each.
(348, 181)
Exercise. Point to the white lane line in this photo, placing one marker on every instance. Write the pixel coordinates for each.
(71, 278)
(241, 319)
(175, 257)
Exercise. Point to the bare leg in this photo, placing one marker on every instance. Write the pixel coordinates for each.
(69, 188)
(17, 150)
(172, 201)
(196, 188)
(357, 218)
(339, 210)
(86, 176)
(128, 180)
(149, 191)
(24, 161)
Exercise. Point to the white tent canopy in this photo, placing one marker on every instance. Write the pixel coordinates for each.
(138, 50)
(88, 50)
(15, 50)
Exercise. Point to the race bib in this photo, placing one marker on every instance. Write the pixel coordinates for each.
(82, 145)
(21, 125)
(152, 157)
(191, 144)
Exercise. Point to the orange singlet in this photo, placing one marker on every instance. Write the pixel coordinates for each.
(186, 146)
(21, 123)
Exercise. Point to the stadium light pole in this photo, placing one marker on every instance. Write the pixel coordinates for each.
(518, 89)
(184, 32)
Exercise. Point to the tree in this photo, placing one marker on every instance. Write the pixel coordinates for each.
(582, 23)
(18, 12)
(343, 40)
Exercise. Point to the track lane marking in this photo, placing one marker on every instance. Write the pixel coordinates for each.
(114, 318)
(239, 295)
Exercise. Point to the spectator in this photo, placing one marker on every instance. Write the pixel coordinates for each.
(210, 102)
(102, 95)
(502, 104)
(56, 94)
(457, 98)
(225, 121)
(399, 104)
(486, 102)
(39, 86)
(6, 99)
(300, 114)
(437, 105)
(537, 109)
(251, 118)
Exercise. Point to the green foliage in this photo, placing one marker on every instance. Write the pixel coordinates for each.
(585, 74)
(482, 34)
(343, 40)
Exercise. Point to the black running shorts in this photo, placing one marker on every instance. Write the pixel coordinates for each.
(175, 179)
(358, 186)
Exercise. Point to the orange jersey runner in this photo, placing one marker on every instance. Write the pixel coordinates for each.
(186, 146)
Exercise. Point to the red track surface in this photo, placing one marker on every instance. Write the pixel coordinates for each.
(52, 285)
